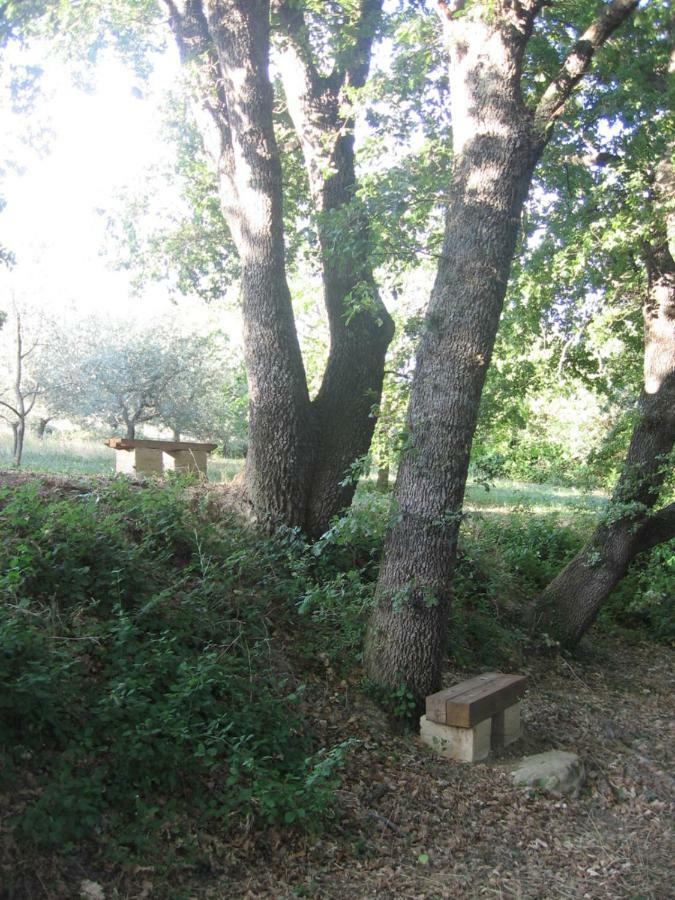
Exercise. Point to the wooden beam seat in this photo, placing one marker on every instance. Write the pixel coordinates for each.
(469, 719)
(139, 457)
(168, 446)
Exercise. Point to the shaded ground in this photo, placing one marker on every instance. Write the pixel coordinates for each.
(412, 825)
(416, 826)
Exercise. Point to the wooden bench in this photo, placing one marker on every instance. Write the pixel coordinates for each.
(469, 719)
(134, 457)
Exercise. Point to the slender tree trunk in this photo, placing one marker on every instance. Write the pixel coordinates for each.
(569, 605)
(496, 143)
(19, 435)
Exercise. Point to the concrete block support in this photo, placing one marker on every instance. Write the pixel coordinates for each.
(185, 461)
(465, 744)
(141, 461)
(506, 726)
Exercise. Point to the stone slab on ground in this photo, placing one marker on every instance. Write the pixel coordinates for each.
(558, 772)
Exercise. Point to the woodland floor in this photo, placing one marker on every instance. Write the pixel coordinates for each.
(416, 826)
(412, 825)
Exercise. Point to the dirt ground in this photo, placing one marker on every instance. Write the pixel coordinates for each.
(413, 825)
(418, 826)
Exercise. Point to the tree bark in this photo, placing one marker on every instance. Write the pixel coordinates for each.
(359, 325)
(42, 426)
(570, 604)
(496, 144)
(299, 452)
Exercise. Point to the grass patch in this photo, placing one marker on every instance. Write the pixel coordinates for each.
(70, 455)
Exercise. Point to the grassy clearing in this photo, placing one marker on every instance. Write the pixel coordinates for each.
(70, 455)
(506, 496)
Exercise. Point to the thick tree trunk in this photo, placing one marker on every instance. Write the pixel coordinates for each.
(569, 605)
(495, 155)
(360, 326)
(281, 436)
(496, 143)
(299, 453)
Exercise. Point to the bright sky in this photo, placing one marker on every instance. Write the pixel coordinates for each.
(101, 142)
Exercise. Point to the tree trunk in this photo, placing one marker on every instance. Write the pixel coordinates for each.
(19, 435)
(383, 479)
(299, 453)
(490, 179)
(496, 144)
(42, 427)
(569, 605)
(360, 326)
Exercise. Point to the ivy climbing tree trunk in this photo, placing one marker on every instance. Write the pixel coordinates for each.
(569, 605)
(299, 451)
(497, 141)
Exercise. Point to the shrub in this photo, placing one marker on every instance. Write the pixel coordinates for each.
(139, 684)
(643, 603)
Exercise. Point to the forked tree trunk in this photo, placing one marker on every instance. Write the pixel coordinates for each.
(569, 605)
(496, 144)
(360, 327)
(299, 452)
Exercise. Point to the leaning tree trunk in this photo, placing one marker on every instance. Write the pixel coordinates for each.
(569, 605)
(496, 144)
(490, 179)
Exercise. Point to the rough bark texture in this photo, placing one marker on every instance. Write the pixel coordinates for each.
(571, 602)
(360, 327)
(496, 142)
(299, 452)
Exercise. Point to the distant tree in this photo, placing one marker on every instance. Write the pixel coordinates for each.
(21, 386)
(125, 375)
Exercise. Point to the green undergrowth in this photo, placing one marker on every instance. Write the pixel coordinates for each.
(152, 654)
(142, 696)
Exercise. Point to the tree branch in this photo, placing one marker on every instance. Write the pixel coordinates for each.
(576, 65)
(658, 528)
(446, 9)
(10, 408)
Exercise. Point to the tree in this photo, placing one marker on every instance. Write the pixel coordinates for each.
(571, 602)
(501, 126)
(124, 374)
(22, 389)
(299, 450)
